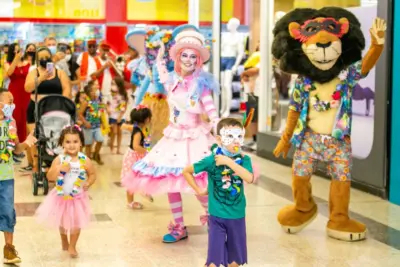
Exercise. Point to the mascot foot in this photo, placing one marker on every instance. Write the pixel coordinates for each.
(340, 226)
(295, 218)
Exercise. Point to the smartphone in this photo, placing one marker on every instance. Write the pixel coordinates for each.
(50, 67)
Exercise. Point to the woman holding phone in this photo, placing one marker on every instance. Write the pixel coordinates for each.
(49, 81)
(16, 69)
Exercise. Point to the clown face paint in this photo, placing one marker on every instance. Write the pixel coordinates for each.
(232, 138)
(188, 60)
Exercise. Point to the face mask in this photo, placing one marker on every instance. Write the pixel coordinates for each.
(32, 54)
(53, 49)
(230, 135)
(8, 110)
(68, 57)
(43, 62)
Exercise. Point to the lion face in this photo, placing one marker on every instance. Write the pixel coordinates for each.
(320, 40)
(317, 44)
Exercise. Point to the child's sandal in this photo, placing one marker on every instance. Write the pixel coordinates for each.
(135, 205)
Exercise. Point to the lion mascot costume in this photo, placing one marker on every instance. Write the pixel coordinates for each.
(324, 47)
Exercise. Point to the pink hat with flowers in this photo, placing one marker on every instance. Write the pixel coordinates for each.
(190, 39)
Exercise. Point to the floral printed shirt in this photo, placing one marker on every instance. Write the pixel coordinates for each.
(299, 102)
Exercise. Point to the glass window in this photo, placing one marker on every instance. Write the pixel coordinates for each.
(363, 93)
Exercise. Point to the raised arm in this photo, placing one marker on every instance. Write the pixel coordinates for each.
(377, 43)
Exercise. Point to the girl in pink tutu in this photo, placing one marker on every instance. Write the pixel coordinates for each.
(67, 205)
(138, 148)
(187, 138)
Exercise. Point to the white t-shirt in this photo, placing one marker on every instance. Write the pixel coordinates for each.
(107, 79)
(71, 176)
(92, 68)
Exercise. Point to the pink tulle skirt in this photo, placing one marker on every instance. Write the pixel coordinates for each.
(130, 158)
(160, 171)
(55, 212)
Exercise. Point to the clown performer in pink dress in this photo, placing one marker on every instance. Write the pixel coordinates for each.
(187, 138)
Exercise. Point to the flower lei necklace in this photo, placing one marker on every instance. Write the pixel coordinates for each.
(231, 181)
(6, 154)
(77, 183)
(320, 105)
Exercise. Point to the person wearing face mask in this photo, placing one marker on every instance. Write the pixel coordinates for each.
(46, 82)
(13, 145)
(70, 59)
(51, 44)
(16, 69)
(30, 55)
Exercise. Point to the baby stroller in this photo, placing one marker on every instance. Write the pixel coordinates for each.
(52, 114)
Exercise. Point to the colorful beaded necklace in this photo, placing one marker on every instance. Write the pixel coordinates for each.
(6, 154)
(78, 183)
(231, 182)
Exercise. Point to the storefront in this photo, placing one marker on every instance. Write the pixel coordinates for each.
(72, 21)
(369, 126)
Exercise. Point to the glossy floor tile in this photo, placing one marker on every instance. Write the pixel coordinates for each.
(121, 237)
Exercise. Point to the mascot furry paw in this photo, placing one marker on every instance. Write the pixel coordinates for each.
(324, 47)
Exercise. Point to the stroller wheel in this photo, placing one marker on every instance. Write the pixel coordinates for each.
(35, 184)
(45, 185)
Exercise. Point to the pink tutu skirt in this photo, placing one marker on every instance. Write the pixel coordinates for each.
(55, 212)
(130, 158)
(160, 171)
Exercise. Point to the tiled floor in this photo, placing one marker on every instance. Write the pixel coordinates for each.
(121, 237)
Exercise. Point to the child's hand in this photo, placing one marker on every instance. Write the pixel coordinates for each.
(222, 160)
(65, 167)
(87, 125)
(86, 187)
(30, 140)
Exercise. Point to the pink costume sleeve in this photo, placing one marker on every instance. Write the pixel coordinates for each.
(208, 104)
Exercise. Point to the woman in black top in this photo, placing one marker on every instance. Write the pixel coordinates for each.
(47, 83)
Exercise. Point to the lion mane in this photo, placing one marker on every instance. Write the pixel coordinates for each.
(291, 56)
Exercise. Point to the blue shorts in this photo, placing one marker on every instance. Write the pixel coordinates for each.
(92, 134)
(227, 63)
(226, 241)
(7, 211)
(114, 121)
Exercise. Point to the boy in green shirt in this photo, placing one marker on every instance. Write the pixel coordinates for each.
(227, 168)
(9, 143)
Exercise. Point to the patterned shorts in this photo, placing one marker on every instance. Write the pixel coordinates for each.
(316, 147)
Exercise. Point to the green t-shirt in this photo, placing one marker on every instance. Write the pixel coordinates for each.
(6, 168)
(225, 200)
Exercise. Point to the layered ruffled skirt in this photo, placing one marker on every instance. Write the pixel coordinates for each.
(130, 158)
(56, 212)
(160, 171)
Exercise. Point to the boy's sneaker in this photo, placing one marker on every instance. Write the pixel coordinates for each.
(11, 255)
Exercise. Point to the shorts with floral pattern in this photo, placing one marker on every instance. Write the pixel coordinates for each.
(317, 147)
